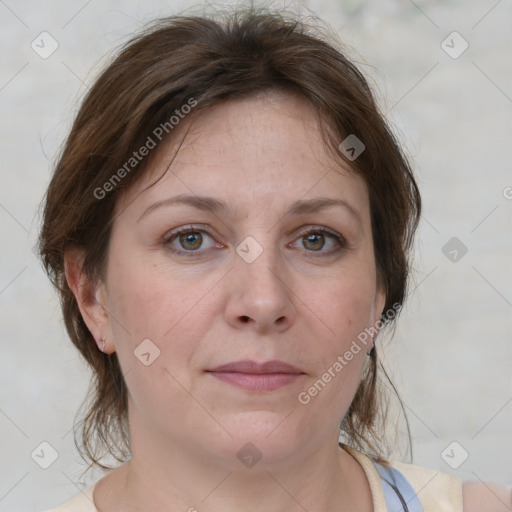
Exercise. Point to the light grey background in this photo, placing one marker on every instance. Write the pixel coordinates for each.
(452, 352)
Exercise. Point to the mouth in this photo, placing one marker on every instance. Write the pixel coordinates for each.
(253, 376)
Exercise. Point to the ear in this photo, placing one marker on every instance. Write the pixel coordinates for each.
(90, 297)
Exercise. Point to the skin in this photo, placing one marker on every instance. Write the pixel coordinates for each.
(299, 301)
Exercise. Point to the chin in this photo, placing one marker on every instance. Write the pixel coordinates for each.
(261, 438)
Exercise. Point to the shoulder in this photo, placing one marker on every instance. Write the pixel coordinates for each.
(81, 502)
(435, 490)
(486, 497)
(440, 491)
(394, 484)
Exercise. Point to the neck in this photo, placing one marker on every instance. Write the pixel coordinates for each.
(326, 479)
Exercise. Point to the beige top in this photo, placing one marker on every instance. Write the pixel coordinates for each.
(437, 492)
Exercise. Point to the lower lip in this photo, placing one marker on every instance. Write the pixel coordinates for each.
(257, 382)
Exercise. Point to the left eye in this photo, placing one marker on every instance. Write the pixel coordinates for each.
(314, 240)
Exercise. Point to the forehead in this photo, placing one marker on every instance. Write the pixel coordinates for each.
(266, 149)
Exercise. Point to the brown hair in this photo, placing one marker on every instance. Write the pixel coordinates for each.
(208, 60)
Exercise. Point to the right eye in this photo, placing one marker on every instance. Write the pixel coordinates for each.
(189, 240)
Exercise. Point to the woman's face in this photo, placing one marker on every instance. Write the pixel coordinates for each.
(252, 279)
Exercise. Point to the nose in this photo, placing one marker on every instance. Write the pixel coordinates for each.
(260, 298)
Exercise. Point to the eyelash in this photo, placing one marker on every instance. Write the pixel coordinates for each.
(340, 240)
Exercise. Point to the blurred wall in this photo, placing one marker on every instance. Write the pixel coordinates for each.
(442, 73)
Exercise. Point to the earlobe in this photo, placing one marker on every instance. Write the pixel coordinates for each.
(87, 294)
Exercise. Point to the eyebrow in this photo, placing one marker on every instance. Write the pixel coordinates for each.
(216, 206)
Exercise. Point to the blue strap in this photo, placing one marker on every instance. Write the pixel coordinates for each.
(390, 478)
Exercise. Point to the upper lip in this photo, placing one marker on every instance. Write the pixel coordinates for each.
(247, 366)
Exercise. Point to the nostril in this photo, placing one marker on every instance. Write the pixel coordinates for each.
(245, 319)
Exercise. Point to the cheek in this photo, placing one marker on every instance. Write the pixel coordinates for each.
(342, 310)
(344, 307)
(151, 301)
(154, 334)
(343, 314)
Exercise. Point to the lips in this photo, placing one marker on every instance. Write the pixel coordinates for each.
(247, 366)
(252, 376)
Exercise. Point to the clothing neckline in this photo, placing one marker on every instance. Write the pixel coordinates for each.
(372, 475)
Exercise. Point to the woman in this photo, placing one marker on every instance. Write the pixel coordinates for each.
(228, 227)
